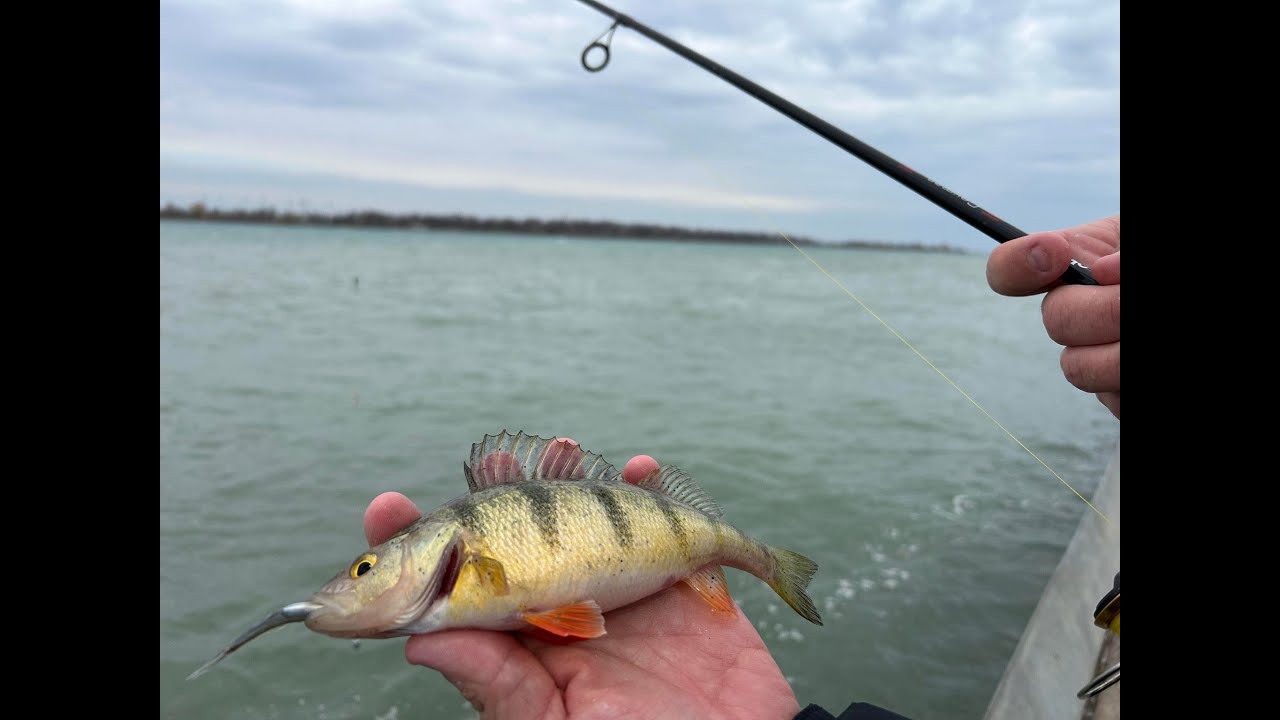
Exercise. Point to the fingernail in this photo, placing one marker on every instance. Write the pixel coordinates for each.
(1038, 259)
(638, 468)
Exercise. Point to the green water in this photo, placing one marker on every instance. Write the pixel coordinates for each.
(291, 395)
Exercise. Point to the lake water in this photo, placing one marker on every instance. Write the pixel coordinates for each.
(305, 370)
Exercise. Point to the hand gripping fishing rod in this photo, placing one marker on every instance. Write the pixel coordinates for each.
(988, 224)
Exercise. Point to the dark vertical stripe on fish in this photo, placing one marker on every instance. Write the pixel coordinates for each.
(673, 519)
(543, 504)
(617, 516)
(465, 511)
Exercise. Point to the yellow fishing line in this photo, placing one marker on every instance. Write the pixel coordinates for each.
(938, 370)
(761, 215)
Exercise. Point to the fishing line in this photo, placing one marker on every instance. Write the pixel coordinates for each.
(921, 355)
(762, 216)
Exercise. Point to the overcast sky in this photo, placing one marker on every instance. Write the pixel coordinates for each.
(481, 107)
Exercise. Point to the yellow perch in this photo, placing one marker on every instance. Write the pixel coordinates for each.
(549, 537)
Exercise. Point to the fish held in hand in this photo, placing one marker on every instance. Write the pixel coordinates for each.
(548, 537)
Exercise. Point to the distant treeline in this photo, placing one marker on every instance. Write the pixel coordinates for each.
(528, 226)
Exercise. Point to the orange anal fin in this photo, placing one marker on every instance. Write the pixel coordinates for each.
(582, 620)
(709, 583)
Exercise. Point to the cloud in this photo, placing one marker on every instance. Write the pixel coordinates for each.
(485, 99)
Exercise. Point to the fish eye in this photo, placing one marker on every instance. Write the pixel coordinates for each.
(363, 565)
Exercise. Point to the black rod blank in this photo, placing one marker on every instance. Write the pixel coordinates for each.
(982, 220)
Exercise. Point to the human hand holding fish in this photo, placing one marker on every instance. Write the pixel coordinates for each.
(549, 539)
(669, 655)
(1084, 319)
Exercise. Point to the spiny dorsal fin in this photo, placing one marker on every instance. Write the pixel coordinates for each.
(506, 458)
(674, 483)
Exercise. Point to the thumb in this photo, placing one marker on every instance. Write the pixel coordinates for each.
(493, 671)
(1029, 264)
(388, 514)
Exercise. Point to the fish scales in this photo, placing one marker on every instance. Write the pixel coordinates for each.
(586, 539)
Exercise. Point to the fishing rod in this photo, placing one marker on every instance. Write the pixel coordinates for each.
(984, 221)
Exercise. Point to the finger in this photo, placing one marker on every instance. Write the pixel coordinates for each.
(1092, 240)
(638, 468)
(1093, 368)
(1106, 269)
(1111, 401)
(494, 672)
(1028, 265)
(1082, 315)
(388, 514)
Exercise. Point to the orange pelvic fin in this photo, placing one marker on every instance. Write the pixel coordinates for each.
(710, 584)
(581, 619)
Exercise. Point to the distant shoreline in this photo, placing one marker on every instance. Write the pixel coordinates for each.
(528, 226)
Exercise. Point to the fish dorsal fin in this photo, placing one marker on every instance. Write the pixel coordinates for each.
(674, 483)
(505, 458)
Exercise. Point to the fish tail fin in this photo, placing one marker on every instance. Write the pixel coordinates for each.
(791, 575)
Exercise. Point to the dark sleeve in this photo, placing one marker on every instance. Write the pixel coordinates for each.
(856, 711)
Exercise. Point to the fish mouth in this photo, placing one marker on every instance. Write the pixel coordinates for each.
(386, 618)
(324, 606)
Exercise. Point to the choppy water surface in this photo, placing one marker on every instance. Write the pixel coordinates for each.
(303, 371)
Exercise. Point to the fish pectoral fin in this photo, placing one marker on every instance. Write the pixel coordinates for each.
(489, 573)
(582, 619)
(488, 569)
(710, 584)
